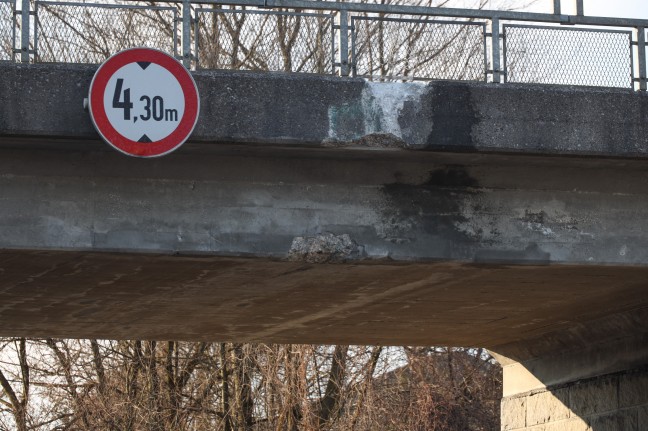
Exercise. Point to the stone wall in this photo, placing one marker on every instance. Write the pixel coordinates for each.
(611, 402)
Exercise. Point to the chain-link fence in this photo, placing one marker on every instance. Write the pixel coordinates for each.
(551, 55)
(89, 33)
(379, 41)
(7, 29)
(264, 40)
(389, 48)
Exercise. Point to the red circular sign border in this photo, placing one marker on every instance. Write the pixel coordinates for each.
(127, 146)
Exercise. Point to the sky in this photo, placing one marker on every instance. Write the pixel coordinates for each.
(616, 8)
(620, 8)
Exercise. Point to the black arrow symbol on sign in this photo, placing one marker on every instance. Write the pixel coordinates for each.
(144, 64)
(144, 138)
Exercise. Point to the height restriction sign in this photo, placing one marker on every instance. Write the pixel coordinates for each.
(143, 102)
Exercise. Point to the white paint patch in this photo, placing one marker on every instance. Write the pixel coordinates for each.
(623, 251)
(382, 103)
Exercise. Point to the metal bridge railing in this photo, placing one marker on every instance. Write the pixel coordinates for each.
(418, 49)
(264, 40)
(69, 32)
(376, 41)
(568, 56)
(642, 53)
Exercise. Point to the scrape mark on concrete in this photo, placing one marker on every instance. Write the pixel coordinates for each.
(377, 116)
(373, 141)
(360, 302)
(552, 221)
(531, 255)
(345, 121)
(383, 102)
(324, 248)
(527, 231)
(481, 220)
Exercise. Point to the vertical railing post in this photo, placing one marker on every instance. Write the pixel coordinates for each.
(556, 7)
(579, 8)
(186, 34)
(343, 24)
(495, 36)
(641, 55)
(24, 31)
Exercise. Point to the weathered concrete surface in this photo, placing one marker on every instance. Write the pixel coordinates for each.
(121, 295)
(256, 201)
(588, 377)
(518, 254)
(543, 260)
(316, 111)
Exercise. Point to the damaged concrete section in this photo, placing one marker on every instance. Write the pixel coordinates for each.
(324, 248)
(314, 111)
(372, 141)
(405, 206)
(480, 237)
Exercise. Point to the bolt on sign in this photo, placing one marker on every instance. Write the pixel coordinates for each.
(143, 102)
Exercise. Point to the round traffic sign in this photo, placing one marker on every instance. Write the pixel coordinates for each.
(143, 102)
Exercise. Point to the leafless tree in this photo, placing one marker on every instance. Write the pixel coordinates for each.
(16, 387)
(148, 385)
(385, 46)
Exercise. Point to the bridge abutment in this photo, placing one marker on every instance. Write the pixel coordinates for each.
(617, 401)
(600, 386)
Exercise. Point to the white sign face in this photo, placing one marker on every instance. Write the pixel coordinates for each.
(143, 102)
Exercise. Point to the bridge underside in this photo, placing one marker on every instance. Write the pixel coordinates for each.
(117, 295)
(311, 210)
(497, 251)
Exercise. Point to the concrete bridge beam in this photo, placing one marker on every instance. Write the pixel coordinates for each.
(315, 210)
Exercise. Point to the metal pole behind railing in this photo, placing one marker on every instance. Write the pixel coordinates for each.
(24, 32)
(495, 36)
(579, 8)
(556, 7)
(641, 55)
(186, 34)
(343, 18)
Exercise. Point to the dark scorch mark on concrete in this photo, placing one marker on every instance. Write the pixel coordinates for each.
(425, 216)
